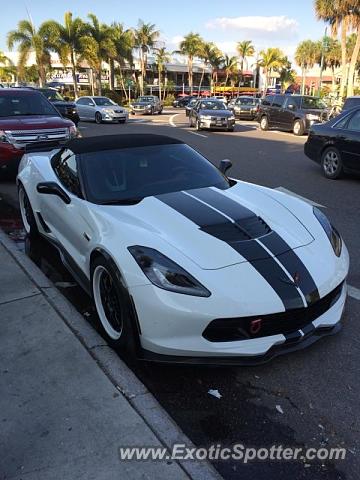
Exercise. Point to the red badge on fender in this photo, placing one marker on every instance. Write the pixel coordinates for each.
(255, 326)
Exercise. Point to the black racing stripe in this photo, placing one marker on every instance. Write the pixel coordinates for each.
(273, 274)
(209, 220)
(293, 265)
(195, 211)
(226, 205)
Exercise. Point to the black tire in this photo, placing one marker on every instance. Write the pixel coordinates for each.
(112, 299)
(160, 111)
(152, 111)
(298, 128)
(98, 118)
(264, 123)
(122, 121)
(331, 163)
(190, 122)
(231, 129)
(27, 213)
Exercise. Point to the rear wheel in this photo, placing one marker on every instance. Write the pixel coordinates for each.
(331, 163)
(113, 305)
(98, 117)
(298, 128)
(264, 123)
(26, 211)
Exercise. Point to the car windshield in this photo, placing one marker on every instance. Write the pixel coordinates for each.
(118, 176)
(104, 102)
(146, 99)
(18, 104)
(312, 102)
(52, 95)
(212, 105)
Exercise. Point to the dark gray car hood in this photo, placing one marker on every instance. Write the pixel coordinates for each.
(216, 113)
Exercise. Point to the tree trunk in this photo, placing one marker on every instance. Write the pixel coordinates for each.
(73, 71)
(190, 73)
(343, 59)
(202, 78)
(98, 74)
(354, 57)
(42, 76)
(333, 79)
(91, 75)
(303, 76)
(159, 82)
(226, 79)
(111, 74)
(122, 82)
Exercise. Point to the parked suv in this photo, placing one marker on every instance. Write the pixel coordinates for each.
(291, 112)
(149, 104)
(66, 108)
(351, 102)
(26, 116)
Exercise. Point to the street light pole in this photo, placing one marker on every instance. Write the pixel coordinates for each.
(322, 61)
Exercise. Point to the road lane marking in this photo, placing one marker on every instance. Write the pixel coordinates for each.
(293, 194)
(353, 292)
(198, 134)
(171, 119)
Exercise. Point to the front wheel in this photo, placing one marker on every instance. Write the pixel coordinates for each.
(122, 121)
(264, 123)
(298, 128)
(113, 305)
(98, 118)
(331, 163)
(26, 211)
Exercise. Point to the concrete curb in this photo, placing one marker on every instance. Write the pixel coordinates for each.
(136, 393)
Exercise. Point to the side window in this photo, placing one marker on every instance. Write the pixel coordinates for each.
(342, 123)
(354, 122)
(67, 172)
(278, 101)
(290, 102)
(268, 100)
(83, 101)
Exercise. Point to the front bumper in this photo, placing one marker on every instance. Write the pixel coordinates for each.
(217, 124)
(116, 117)
(9, 155)
(141, 111)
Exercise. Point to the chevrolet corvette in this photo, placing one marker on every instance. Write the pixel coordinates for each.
(184, 263)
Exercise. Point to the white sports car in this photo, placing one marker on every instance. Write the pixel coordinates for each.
(185, 264)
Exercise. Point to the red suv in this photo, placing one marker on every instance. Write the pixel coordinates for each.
(26, 116)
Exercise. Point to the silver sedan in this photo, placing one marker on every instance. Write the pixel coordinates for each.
(100, 109)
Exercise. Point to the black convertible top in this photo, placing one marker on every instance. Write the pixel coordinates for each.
(105, 142)
(115, 142)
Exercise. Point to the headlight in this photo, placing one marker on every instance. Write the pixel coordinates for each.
(3, 137)
(231, 118)
(148, 106)
(205, 117)
(311, 116)
(331, 232)
(108, 110)
(73, 132)
(166, 274)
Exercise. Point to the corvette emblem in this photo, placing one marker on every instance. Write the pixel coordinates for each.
(255, 326)
(296, 278)
(295, 281)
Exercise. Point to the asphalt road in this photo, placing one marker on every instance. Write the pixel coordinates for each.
(317, 389)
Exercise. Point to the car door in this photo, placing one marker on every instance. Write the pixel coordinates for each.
(287, 112)
(349, 142)
(194, 113)
(275, 111)
(81, 107)
(68, 220)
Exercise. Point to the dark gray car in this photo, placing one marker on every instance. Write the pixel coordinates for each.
(211, 114)
(245, 107)
(147, 104)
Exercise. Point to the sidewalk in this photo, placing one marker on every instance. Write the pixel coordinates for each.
(67, 401)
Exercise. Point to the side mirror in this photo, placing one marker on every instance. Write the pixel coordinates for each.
(52, 188)
(291, 107)
(67, 99)
(225, 165)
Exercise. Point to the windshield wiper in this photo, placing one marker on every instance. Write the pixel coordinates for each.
(123, 201)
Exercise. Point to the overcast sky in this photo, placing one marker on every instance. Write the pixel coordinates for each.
(267, 23)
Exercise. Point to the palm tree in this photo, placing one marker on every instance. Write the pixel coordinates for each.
(306, 54)
(271, 60)
(208, 52)
(245, 49)
(162, 56)
(215, 60)
(338, 13)
(97, 46)
(190, 47)
(29, 39)
(331, 56)
(123, 41)
(65, 40)
(230, 65)
(145, 40)
(354, 8)
(7, 69)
